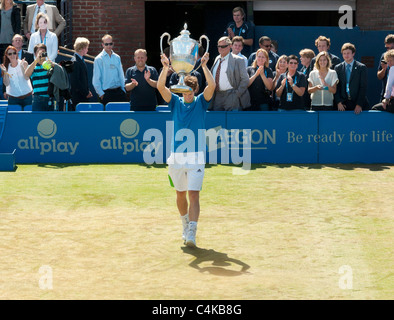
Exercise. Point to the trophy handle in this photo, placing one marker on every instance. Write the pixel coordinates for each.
(206, 50)
(161, 40)
(206, 38)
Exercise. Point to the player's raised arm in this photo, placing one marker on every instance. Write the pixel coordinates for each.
(161, 82)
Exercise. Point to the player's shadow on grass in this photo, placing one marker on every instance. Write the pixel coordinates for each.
(221, 263)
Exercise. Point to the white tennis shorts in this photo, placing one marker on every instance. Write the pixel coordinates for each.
(186, 172)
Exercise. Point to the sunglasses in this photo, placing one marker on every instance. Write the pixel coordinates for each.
(109, 44)
(222, 47)
(293, 62)
(11, 54)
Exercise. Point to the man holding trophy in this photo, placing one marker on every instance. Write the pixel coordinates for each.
(186, 167)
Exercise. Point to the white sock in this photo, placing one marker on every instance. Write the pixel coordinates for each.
(193, 225)
(185, 219)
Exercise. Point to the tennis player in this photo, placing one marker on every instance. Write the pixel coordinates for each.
(186, 166)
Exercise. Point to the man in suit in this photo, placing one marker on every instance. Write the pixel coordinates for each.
(231, 80)
(79, 77)
(352, 87)
(323, 43)
(56, 22)
(17, 42)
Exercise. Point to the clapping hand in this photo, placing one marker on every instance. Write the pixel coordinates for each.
(147, 75)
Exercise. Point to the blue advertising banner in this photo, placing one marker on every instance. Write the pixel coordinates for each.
(349, 138)
(88, 137)
(277, 137)
(231, 137)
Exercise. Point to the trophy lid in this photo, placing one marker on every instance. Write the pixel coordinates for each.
(185, 32)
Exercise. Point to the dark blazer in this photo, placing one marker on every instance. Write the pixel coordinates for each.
(15, 19)
(29, 57)
(357, 85)
(79, 81)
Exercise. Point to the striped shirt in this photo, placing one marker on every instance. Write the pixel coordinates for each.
(40, 81)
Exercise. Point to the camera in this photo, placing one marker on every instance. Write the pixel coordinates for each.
(44, 55)
(383, 61)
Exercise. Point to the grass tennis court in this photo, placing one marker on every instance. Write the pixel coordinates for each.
(279, 232)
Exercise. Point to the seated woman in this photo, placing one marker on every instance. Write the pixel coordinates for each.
(260, 82)
(322, 84)
(18, 86)
(43, 35)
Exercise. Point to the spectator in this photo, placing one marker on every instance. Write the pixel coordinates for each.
(240, 27)
(265, 43)
(306, 55)
(231, 80)
(18, 86)
(383, 69)
(79, 81)
(322, 84)
(17, 42)
(387, 103)
(323, 43)
(108, 76)
(39, 77)
(237, 47)
(260, 82)
(352, 87)
(274, 46)
(10, 23)
(141, 80)
(2, 88)
(56, 22)
(280, 68)
(43, 35)
(291, 87)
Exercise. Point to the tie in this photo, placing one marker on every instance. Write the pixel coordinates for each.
(217, 75)
(348, 72)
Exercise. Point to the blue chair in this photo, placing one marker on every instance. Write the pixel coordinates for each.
(3, 102)
(86, 106)
(117, 106)
(28, 108)
(162, 108)
(14, 107)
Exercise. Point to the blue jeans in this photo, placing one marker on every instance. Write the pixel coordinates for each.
(40, 103)
(22, 102)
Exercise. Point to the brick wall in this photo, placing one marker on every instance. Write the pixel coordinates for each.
(123, 19)
(375, 15)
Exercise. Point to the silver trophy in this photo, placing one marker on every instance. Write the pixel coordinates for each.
(183, 56)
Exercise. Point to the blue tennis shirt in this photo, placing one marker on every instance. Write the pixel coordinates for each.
(190, 116)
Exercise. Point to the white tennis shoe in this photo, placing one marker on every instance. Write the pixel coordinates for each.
(191, 236)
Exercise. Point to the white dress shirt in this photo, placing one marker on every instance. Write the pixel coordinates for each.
(390, 84)
(224, 84)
